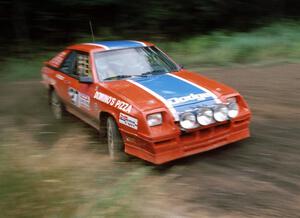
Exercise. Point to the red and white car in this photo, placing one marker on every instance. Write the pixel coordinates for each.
(145, 103)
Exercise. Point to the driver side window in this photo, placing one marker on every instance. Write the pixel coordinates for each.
(77, 65)
(69, 64)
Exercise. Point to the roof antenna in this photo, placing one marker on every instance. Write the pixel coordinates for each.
(92, 31)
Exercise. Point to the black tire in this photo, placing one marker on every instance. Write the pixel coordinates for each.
(57, 107)
(115, 142)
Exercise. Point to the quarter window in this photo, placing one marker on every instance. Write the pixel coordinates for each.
(68, 66)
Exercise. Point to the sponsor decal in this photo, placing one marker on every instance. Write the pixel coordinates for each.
(105, 98)
(191, 97)
(60, 77)
(79, 99)
(128, 121)
(84, 101)
(121, 105)
(176, 93)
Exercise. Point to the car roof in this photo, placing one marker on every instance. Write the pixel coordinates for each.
(109, 45)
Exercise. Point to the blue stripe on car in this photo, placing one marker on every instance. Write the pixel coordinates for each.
(120, 44)
(170, 87)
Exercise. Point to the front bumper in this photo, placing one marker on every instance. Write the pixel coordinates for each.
(186, 144)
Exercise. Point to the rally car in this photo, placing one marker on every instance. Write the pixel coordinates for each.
(144, 103)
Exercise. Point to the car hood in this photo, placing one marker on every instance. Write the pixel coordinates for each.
(178, 91)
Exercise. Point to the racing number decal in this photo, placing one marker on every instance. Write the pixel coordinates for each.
(79, 99)
(84, 101)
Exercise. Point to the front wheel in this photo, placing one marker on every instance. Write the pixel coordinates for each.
(114, 141)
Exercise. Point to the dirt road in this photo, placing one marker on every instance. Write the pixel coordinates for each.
(50, 169)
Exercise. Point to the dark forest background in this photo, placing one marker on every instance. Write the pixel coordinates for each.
(193, 32)
(55, 21)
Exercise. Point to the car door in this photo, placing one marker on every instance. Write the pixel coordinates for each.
(65, 76)
(80, 87)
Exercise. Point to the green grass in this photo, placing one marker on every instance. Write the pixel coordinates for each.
(271, 44)
(24, 193)
(276, 43)
(63, 191)
(15, 68)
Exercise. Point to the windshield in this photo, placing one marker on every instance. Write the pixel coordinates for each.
(130, 62)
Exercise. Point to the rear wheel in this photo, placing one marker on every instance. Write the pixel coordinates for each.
(57, 106)
(114, 141)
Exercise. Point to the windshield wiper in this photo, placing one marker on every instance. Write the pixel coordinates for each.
(153, 72)
(118, 77)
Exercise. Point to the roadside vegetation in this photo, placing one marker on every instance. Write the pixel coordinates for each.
(276, 43)
(279, 42)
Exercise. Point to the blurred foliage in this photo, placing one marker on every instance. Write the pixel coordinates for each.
(276, 43)
(56, 21)
(279, 42)
(208, 32)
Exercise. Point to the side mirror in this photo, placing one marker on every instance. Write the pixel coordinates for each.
(181, 66)
(85, 79)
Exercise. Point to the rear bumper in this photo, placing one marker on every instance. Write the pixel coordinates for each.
(186, 144)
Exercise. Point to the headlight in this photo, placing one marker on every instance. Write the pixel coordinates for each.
(205, 116)
(154, 119)
(233, 107)
(188, 120)
(221, 113)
